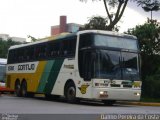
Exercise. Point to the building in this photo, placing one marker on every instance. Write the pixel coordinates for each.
(4, 36)
(16, 39)
(64, 27)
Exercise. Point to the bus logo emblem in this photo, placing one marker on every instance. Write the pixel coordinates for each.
(83, 88)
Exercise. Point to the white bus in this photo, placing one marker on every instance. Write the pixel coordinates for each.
(91, 64)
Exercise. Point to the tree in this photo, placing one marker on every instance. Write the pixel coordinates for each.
(149, 5)
(113, 18)
(5, 45)
(33, 39)
(98, 23)
(119, 7)
(148, 35)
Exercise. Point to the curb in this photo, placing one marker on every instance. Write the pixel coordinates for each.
(139, 103)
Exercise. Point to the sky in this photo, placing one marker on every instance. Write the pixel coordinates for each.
(20, 18)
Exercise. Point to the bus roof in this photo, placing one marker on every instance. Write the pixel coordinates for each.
(64, 35)
(3, 61)
(111, 33)
(56, 37)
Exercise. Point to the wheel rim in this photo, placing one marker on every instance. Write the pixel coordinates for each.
(17, 91)
(71, 93)
(24, 89)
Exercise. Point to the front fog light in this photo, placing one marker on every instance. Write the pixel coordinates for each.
(103, 94)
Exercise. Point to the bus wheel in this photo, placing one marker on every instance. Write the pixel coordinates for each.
(109, 102)
(18, 89)
(24, 89)
(70, 92)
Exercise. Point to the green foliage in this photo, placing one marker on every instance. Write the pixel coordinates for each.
(151, 87)
(115, 8)
(97, 23)
(113, 17)
(33, 39)
(148, 99)
(149, 5)
(148, 35)
(4, 46)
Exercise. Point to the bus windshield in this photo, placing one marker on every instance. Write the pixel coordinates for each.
(115, 65)
(108, 41)
(108, 57)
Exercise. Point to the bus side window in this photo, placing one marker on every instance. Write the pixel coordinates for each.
(72, 46)
(64, 48)
(42, 51)
(30, 54)
(57, 49)
(15, 56)
(87, 66)
(36, 52)
(26, 54)
(11, 56)
(20, 54)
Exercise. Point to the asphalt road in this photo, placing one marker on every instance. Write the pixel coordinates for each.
(39, 105)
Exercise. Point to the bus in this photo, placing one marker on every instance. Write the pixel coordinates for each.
(91, 64)
(3, 88)
(3, 63)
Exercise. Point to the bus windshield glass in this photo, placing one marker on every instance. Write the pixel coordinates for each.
(108, 41)
(108, 57)
(115, 65)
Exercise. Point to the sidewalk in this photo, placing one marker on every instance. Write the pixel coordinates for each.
(139, 103)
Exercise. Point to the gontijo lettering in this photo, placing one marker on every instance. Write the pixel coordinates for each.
(26, 67)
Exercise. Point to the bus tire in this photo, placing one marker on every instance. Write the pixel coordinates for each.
(70, 92)
(18, 89)
(24, 89)
(109, 102)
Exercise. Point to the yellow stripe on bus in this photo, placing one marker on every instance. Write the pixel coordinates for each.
(32, 79)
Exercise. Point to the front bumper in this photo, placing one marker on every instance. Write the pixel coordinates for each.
(116, 94)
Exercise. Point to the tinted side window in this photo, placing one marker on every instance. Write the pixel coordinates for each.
(68, 47)
(11, 57)
(29, 53)
(72, 46)
(85, 40)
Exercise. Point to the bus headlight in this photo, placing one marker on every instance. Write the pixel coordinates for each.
(103, 94)
(137, 94)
